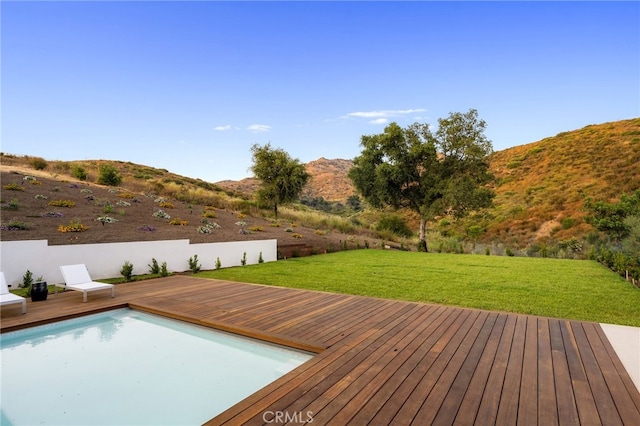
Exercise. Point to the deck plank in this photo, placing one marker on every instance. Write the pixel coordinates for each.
(547, 407)
(389, 362)
(472, 398)
(528, 404)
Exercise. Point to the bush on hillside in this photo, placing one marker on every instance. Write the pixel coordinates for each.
(109, 175)
(394, 224)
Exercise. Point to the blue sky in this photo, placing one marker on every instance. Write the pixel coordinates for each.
(190, 86)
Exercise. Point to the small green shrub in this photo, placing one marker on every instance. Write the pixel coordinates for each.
(164, 272)
(79, 173)
(109, 175)
(127, 270)
(39, 163)
(194, 266)
(568, 222)
(394, 224)
(260, 259)
(15, 225)
(154, 268)
(27, 281)
(11, 205)
(218, 263)
(243, 261)
(509, 252)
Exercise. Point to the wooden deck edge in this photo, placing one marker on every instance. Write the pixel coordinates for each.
(58, 318)
(275, 338)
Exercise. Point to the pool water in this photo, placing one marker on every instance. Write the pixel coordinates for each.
(126, 367)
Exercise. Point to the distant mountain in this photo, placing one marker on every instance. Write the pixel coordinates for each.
(328, 180)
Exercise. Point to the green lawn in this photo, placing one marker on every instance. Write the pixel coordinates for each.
(572, 289)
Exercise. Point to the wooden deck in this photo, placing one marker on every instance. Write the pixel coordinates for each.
(386, 362)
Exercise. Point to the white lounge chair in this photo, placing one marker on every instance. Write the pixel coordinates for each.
(76, 277)
(7, 298)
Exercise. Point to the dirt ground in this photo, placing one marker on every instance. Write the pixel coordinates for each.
(30, 204)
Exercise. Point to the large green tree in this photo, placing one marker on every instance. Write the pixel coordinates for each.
(433, 174)
(282, 178)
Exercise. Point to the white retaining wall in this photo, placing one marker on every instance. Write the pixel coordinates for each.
(106, 260)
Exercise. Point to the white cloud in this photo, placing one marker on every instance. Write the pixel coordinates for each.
(379, 121)
(387, 113)
(259, 128)
(223, 128)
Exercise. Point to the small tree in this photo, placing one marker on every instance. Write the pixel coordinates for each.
(109, 175)
(282, 178)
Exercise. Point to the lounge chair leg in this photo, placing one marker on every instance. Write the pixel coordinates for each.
(24, 307)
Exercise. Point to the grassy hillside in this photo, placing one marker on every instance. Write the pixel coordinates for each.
(541, 187)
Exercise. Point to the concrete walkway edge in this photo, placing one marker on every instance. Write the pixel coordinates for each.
(626, 342)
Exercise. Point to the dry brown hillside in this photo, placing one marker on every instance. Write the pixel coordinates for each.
(53, 205)
(329, 179)
(541, 187)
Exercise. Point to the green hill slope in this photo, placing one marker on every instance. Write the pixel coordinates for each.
(541, 187)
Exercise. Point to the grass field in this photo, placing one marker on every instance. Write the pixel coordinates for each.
(571, 289)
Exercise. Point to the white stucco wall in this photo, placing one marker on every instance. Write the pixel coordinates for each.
(106, 260)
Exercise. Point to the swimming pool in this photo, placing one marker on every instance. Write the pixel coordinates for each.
(125, 367)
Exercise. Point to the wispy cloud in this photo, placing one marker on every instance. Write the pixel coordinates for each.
(383, 114)
(379, 121)
(259, 128)
(223, 128)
